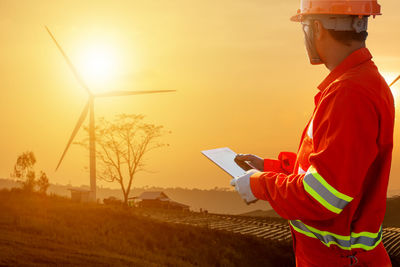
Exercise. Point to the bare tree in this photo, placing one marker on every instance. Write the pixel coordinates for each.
(121, 146)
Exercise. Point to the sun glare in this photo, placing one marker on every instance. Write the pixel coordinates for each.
(98, 66)
(389, 78)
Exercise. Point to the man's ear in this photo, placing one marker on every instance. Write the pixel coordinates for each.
(319, 30)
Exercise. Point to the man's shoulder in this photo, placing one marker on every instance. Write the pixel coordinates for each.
(363, 80)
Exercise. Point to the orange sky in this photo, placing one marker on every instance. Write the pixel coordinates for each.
(239, 66)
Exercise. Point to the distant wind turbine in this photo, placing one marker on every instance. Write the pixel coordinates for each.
(90, 106)
(395, 80)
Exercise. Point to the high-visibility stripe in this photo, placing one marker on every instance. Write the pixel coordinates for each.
(328, 186)
(364, 240)
(324, 193)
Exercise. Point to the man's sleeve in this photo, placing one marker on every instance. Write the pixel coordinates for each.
(284, 163)
(345, 131)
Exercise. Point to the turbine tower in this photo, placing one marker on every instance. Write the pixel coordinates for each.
(89, 107)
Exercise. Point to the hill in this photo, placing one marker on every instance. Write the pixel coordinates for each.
(219, 200)
(49, 230)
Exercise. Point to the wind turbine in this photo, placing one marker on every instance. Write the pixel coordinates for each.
(90, 107)
(395, 80)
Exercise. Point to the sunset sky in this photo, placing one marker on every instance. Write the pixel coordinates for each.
(239, 66)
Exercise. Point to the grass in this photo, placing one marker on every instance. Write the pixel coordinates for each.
(51, 230)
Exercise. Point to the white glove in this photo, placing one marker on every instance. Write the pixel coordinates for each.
(242, 185)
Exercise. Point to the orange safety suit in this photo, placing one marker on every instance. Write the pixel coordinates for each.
(333, 191)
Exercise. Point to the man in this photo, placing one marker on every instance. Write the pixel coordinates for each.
(333, 190)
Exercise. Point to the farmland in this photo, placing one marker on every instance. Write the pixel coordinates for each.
(43, 230)
(273, 229)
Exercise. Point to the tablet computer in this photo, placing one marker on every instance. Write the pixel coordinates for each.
(225, 159)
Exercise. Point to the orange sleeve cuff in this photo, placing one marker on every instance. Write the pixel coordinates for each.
(255, 186)
(260, 191)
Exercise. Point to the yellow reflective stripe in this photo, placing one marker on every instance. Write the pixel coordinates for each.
(370, 235)
(367, 247)
(315, 235)
(367, 234)
(334, 243)
(364, 240)
(328, 186)
(315, 230)
(320, 199)
(309, 234)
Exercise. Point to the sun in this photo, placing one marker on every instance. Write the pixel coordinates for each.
(98, 65)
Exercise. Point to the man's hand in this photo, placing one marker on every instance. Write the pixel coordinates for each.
(242, 185)
(255, 161)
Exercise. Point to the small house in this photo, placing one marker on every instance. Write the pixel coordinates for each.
(80, 195)
(158, 200)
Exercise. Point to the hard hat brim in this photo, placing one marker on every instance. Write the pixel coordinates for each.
(300, 17)
(337, 7)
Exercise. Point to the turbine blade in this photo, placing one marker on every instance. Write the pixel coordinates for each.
(75, 131)
(395, 80)
(70, 65)
(126, 93)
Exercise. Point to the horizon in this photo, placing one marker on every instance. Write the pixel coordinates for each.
(390, 193)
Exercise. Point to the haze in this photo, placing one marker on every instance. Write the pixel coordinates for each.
(239, 66)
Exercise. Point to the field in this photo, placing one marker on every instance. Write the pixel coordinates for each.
(42, 230)
(277, 229)
(52, 230)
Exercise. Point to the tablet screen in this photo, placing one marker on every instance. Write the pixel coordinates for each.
(225, 159)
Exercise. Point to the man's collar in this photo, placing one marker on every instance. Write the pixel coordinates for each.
(357, 57)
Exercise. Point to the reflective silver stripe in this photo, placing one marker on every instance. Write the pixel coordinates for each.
(326, 239)
(325, 193)
(365, 240)
(344, 242)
